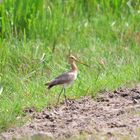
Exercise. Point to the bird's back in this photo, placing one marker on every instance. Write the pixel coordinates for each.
(63, 79)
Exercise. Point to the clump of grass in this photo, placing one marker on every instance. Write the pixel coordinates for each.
(37, 36)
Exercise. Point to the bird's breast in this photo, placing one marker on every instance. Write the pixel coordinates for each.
(74, 75)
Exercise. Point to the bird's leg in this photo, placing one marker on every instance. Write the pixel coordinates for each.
(59, 95)
(65, 96)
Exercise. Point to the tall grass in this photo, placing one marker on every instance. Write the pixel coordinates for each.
(38, 35)
(47, 19)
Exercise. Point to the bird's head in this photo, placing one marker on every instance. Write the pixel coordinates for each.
(74, 59)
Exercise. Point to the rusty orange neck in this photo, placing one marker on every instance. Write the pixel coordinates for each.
(73, 66)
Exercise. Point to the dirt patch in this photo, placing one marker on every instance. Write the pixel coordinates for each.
(111, 114)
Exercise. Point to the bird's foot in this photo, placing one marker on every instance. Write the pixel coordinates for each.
(66, 103)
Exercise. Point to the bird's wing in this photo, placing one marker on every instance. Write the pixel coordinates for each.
(62, 79)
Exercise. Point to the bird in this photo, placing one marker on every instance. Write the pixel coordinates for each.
(66, 78)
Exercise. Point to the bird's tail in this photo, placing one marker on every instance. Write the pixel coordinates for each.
(49, 84)
(46, 84)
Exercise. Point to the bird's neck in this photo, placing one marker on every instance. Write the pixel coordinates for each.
(74, 67)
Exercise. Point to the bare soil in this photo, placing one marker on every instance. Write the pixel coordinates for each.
(111, 115)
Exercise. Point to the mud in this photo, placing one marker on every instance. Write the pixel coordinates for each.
(110, 115)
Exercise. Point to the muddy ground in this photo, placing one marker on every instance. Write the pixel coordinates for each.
(113, 115)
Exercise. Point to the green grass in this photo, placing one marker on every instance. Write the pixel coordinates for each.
(94, 31)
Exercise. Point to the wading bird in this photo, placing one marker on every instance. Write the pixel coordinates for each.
(67, 78)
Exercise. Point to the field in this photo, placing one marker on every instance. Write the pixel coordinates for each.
(37, 36)
(113, 115)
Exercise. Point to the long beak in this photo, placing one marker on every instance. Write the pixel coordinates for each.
(82, 63)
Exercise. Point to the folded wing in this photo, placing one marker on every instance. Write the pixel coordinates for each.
(61, 79)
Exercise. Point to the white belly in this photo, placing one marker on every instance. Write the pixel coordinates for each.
(73, 77)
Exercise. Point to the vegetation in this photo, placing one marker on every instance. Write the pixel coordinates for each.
(38, 35)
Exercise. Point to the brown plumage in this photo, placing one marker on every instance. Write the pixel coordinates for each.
(67, 78)
(63, 79)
